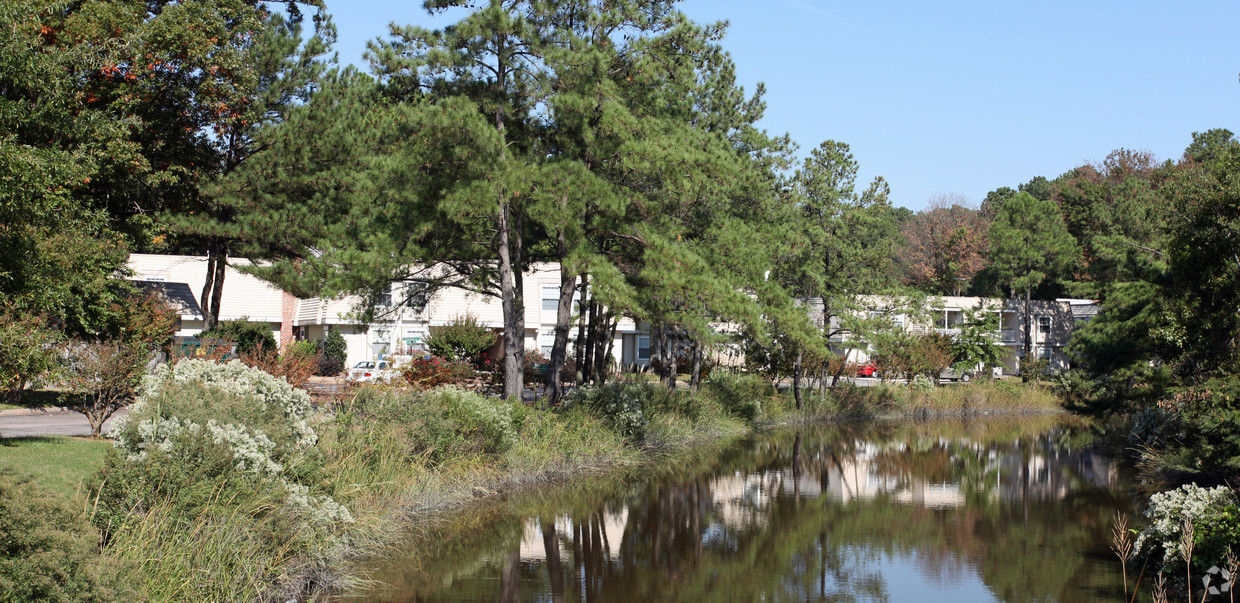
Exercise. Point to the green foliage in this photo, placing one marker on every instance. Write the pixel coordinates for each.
(976, 345)
(1029, 242)
(49, 551)
(335, 351)
(621, 405)
(740, 394)
(909, 355)
(463, 339)
(29, 352)
(250, 337)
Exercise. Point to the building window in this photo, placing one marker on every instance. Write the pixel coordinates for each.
(1044, 353)
(643, 347)
(551, 299)
(417, 295)
(1044, 325)
(382, 298)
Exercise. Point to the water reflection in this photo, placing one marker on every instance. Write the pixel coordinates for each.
(1004, 509)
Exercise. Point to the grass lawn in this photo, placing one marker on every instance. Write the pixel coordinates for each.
(58, 464)
(34, 399)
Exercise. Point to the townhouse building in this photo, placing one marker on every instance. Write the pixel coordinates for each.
(1052, 324)
(181, 279)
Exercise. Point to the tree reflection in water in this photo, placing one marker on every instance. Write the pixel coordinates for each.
(1001, 509)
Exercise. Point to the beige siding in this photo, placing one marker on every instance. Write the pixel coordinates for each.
(243, 296)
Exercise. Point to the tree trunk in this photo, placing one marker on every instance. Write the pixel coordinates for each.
(217, 285)
(695, 380)
(656, 349)
(611, 340)
(513, 307)
(796, 380)
(587, 366)
(1028, 323)
(580, 345)
(600, 347)
(672, 364)
(204, 301)
(559, 349)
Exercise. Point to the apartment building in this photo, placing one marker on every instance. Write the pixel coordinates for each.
(181, 279)
(1052, 324)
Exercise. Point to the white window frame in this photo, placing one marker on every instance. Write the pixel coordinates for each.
(554, 299)
(637, 353)
(1044, 330)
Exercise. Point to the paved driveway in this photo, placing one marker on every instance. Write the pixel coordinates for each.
(51, 422)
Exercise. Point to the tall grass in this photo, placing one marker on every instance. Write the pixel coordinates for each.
(388, 455)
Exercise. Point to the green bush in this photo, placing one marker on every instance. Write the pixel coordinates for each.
(250, 337)
(740, 394)
(620, 404)
(457, 421)
(463, 339)
(50, 552)
(335, 351)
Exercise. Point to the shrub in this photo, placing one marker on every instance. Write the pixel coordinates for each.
(484, 424)
(740, 394)
(49, 551)
(1212, 511)
(334, 352)
(295, 365)
(249, 336)
(429, 373)
(620, 405)
(29, 352)
(911, 355)
(463, 339)
(105, 377)
(201, 432)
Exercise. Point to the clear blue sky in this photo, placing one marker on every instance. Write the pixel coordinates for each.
(960, 97)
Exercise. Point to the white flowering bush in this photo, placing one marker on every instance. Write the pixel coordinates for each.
(1211, 510)
(202, 431)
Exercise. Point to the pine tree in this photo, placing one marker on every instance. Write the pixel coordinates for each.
(1029, 244)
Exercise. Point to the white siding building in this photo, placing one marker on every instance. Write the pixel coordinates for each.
(249, 297)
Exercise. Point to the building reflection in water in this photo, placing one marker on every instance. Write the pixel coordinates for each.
(856, 513)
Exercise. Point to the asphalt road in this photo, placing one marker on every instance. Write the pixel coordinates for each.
(52, 422)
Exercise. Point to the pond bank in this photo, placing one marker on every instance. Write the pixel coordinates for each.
(747, 519)
(677, 430)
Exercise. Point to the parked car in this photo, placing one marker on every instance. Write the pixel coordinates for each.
(368, 371)
(952, 374)
(867, 370)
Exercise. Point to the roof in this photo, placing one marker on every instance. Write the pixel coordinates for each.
(178, 295)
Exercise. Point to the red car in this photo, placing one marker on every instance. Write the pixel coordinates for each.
(867, 370)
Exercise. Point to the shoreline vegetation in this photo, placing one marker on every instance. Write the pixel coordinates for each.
(225, 484)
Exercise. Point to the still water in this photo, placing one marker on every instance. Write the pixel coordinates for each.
(1003, 509)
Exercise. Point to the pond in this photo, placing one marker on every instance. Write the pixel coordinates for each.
(996, 509)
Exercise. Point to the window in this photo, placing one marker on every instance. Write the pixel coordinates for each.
(417, 295)
(643, 347)
(1044, 353)
(550, 299)
(1044, 325)
(382, 298)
